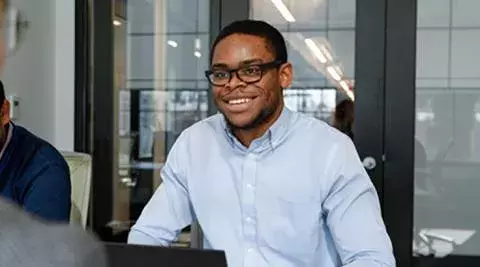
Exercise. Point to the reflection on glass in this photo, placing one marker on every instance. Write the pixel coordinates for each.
(320, 38)
(447, 147)
(161, 50)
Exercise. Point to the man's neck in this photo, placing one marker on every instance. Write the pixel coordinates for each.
(246, 137)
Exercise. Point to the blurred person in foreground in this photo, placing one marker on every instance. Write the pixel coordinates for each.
(269, 186)
(33, 173)
(25, 239)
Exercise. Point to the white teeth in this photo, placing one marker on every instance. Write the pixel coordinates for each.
(239, 101)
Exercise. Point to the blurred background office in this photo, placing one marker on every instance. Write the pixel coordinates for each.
(119, 80)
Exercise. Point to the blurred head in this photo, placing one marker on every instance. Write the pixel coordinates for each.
(248, 72)
(344, 117)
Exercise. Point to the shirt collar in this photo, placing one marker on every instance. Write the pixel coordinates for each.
(9, 137)
(275, 133)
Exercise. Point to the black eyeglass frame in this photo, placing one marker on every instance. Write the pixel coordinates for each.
(262, 67)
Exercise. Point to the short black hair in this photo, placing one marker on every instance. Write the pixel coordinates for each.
(2, 92)
(272, 36)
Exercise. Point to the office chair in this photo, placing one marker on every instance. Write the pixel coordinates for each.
(81, 175)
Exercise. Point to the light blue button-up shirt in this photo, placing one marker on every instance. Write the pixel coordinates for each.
(298, 196)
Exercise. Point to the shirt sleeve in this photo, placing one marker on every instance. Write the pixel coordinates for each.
(48, 194)
(169, 210)
(353, 213)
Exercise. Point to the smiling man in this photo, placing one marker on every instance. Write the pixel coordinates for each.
(269, 186)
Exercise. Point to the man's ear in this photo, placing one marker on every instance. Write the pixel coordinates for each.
(286, 75)
(5, 112)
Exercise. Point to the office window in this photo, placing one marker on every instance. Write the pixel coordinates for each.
(320, 38)
(447, 146)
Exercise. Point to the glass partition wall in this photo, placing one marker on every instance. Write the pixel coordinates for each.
(447, 130)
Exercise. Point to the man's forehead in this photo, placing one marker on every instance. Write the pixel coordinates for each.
(242, 40)
(241, 49)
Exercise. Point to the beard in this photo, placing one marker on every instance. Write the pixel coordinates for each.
(274, 102)
(264, 115)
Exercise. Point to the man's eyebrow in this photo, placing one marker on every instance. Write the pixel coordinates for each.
(251, 61)
(219, 66)
(242, 63)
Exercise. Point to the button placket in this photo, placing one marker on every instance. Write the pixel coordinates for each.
(248, 201)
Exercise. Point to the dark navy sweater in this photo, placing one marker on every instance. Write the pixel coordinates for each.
(35, 175)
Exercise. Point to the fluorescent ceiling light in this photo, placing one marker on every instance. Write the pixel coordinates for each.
(198, 54)
(345, 86)
(334, 73)
(351, 95)
(316, 51)
(282, 8)
(326, 52)
(172, 43)
(116, 22)
(197, 43)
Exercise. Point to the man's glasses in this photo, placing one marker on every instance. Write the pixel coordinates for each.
(14, 29)
(248, 74)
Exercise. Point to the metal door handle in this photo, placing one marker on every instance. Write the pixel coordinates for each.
(369, 163)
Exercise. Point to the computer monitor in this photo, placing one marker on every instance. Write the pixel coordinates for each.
(127, 255)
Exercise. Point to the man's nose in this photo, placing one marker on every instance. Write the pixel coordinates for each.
(235, 81)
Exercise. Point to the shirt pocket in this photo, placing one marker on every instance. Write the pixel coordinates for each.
(289, 223)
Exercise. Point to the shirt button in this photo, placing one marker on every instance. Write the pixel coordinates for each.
(249, 186)
(249, 250)
(249, 220)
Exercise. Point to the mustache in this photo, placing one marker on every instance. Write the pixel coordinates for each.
(251, 89)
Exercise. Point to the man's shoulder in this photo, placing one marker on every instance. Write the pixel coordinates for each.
(37, 149)
(203, 128)
(318, 129)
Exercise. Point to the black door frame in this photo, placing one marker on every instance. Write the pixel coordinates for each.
(399, 129)
(94, 91)
(103, 122)
(82, 76)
